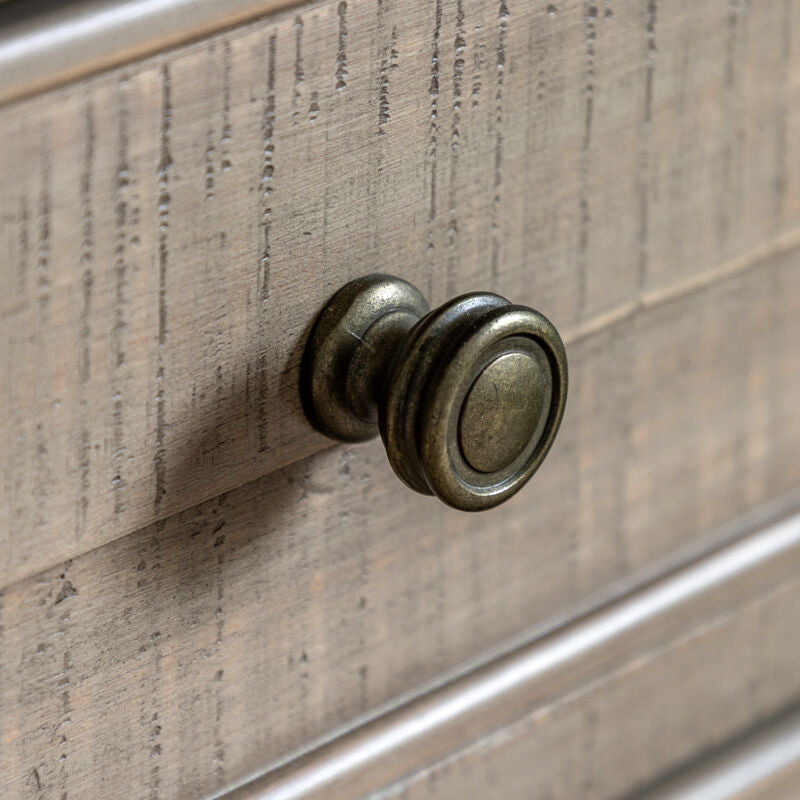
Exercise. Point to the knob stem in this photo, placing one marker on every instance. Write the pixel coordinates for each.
(372, 360)
(350, 351)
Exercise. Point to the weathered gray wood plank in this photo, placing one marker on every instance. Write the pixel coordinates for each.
(610, 736)
(170, 228)
(518, 725)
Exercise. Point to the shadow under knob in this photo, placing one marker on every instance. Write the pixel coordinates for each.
(467, 398)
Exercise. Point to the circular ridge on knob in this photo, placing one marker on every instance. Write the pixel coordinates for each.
(426, 350)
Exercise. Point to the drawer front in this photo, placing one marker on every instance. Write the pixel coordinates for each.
(172, 226)
(195, 584)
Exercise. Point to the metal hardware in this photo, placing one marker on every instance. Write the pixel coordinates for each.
(467, 398)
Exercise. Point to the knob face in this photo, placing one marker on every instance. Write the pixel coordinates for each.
(505, 408)
(471, 394)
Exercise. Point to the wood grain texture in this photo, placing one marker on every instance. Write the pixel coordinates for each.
(181, 657)
(171, 228)
(175, 681)
(608, 738)
(636, 636)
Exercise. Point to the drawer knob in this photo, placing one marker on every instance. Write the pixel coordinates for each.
(467, 398)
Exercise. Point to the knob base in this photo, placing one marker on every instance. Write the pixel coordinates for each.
(349, 353)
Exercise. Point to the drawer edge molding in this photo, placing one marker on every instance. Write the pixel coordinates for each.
(374, 755)
(62, 43)
(759, 765)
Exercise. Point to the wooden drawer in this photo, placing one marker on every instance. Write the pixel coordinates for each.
(195, 584)
(173, 225)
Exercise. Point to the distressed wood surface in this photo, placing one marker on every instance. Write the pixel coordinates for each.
(170, 228)
(642, 636)
(49, 43)
(176, 662)
(183, 656)
(660, 707)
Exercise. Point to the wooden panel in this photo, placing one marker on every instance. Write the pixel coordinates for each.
(170, 711)
(607, 736)
(170, 229)
(207, 645)
(534, 701)
(621, 661)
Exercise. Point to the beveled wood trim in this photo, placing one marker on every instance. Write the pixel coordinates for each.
(761, 765)
(45, 47)
(384, 749)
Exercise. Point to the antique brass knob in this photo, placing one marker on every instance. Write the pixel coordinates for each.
(467, 397)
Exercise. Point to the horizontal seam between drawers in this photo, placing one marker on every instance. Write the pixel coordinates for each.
(755, 565)
(782, 244)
